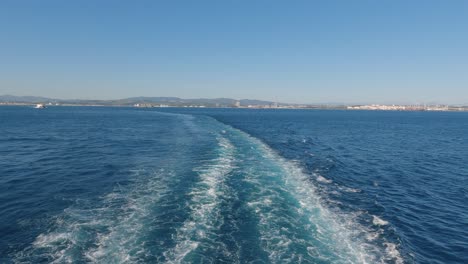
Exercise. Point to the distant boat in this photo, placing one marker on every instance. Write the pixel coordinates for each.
(40, 106)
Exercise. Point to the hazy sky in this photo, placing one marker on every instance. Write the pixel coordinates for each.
(290, 51)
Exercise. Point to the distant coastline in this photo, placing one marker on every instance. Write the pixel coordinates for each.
(162, 102)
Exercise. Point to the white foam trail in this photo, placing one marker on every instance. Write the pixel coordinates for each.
(53, 240)
(322, 179)
(205, 199)
(118, 243)
(393, 253)
(114, 229)
(339, 233)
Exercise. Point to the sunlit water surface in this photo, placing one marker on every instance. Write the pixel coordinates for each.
(125, 185)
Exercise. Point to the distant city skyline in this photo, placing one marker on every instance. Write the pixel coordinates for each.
(387, 52)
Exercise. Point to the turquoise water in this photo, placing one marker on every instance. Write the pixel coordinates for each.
(123, 185)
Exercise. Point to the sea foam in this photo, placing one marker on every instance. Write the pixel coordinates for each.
(333, 236)
(204, 204)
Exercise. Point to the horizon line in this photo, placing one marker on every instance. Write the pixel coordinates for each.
(242, 99)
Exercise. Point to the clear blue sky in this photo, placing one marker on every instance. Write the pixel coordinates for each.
(290, 51)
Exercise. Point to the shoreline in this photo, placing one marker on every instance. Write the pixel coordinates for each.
(312, 107)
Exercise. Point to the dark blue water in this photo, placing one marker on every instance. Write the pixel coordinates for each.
(123, 185)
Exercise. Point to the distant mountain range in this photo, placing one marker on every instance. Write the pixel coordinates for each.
(171, 101)
(23, 99)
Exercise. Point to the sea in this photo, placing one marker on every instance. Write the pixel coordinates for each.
(186, 185)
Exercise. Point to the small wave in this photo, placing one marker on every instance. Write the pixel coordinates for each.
(348, 189)
(378, 221)
(322, 179)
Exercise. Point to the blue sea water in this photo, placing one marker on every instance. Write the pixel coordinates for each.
(125, 185)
